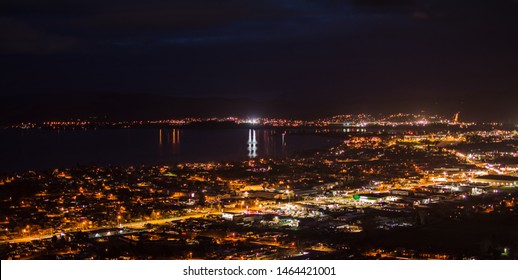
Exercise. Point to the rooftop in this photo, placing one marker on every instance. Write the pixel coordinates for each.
(498, 177)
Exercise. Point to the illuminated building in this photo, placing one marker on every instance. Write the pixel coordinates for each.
(497, 180)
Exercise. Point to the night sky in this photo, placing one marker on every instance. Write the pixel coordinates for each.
(423, 50)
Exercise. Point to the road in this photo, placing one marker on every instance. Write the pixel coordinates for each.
(130, 224)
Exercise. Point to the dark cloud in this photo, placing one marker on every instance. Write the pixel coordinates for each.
(336, 49)
(174, 15)
(383, 3)
(18, 37)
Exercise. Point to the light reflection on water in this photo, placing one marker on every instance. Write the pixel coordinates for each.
(264, 140)
(45, 149)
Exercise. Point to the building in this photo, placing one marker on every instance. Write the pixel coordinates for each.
(497, 180)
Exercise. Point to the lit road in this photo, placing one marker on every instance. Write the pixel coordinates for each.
(130, 224)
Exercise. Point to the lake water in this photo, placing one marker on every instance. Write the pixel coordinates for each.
(47, 149)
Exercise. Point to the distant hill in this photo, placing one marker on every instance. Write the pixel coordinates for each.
(115, 107)
(112, 106)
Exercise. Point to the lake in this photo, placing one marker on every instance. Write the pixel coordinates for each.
(48, 149)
